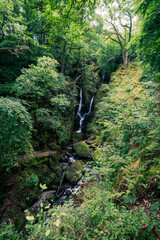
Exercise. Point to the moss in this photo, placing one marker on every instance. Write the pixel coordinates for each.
(82, 149)
(50, 197)
(32, 196)
(19, 220)
(74, 172)
(56, 156)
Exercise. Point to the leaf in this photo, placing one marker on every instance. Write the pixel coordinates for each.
(57, 223)
(47, 207)
(63, 214)
(39, 226)
(47, 233)
(30, 218)
(43, 186)
(53, 214)
(41, 204)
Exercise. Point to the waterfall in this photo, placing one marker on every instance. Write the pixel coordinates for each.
(79, 111)
(80, 105)
(78, 77)
(90, 106)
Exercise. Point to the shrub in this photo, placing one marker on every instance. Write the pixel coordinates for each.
(15, 131)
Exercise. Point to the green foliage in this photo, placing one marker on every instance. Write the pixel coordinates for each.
(108, 58)
(9, 232)
(149, 41)
(97, 217)
(47, 93)
(15, 131)
(32, 180)
(82, 149)
(39, 82)
(127, 121)
(60, 102)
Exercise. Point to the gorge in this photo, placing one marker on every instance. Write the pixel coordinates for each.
(79, 120)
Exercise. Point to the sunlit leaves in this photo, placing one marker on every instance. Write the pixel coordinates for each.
(30, 218)
(47, 232)
(44, 187)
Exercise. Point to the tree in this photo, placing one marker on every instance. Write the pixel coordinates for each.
(67, 21)
(15, 131)
(119, 25)
(12, 28)
(47, 94)
(149, 37)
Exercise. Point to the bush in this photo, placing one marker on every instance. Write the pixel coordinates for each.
(15, 131)
(47, 94)
(32, 180)
(8, 232)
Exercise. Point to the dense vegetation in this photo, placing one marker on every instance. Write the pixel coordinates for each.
(49, 49)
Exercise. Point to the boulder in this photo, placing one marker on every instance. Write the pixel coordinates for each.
(74, 172)
(82, 149)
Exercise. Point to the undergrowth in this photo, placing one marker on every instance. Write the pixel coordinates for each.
(119, 199)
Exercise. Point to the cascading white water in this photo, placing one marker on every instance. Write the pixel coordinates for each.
(79, 111)
(80, 105)
(90, 106)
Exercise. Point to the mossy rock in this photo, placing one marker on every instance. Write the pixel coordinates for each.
(53, 165)
(58, 171)
(77, 137)
(31, 196)
(50, 197)
(49, 176)
(82, 149)
(74, 172)
(19, 220)
(56, 156)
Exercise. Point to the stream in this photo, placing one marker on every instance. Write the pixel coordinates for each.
(65, 189)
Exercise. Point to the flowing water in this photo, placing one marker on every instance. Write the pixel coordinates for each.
(65, 189)
(63, 192)
(79, 111)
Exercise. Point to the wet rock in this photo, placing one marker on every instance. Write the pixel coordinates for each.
(50, 197)
(64, 165)
(74, 172)
(60, 201)
(82, 149)
(68, 192)
(44, 198)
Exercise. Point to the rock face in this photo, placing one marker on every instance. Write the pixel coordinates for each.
(74, 172)
(82, 149)
(23, 185)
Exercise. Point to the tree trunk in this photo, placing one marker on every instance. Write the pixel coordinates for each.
(126, 57)
(63, 58)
